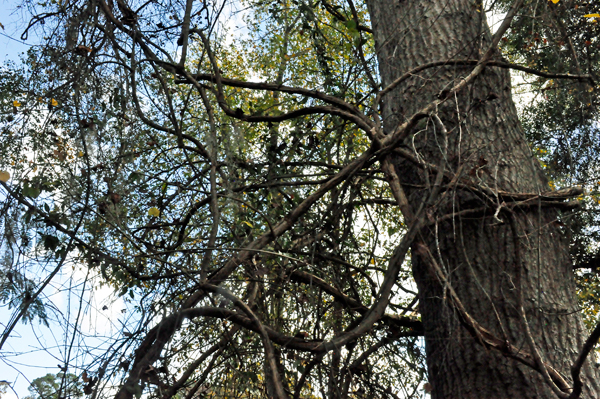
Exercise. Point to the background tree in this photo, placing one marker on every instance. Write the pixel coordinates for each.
(53, 386)
(257, 233)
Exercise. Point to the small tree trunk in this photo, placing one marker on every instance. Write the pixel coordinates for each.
(486, 263)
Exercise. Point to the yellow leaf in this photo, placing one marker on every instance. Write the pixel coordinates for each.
(592, 15)
(248, 223)
(4, 176)
(54, 103)
(554, 1)
(153, 211)
(80, 154)
(16, 103)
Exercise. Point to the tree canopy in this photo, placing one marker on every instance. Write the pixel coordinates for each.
(53, 386)
(222, 168)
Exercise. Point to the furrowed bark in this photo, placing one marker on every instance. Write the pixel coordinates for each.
(487, 265)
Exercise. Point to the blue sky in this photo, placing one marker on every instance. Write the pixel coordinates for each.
(24, 338)
(10, 47)
(27, 339)
(12, 19)
(34, 350)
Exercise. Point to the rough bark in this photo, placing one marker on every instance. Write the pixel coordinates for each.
(487, 264)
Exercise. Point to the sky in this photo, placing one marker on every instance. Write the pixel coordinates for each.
(34, 350)
(34, 363)
(11, 44)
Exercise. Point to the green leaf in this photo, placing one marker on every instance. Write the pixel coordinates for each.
(50, 242)
(134, 176)
(31, 192)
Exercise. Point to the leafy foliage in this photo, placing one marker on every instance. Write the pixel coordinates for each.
(50, 386)
(560, 116)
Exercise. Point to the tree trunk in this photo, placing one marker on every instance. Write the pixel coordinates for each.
(485, 262)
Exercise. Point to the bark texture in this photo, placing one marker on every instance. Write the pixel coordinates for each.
(487, 264)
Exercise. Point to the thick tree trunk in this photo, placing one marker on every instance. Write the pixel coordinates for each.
(486, 264)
